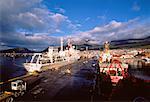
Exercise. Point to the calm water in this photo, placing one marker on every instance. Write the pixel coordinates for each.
(10, 68)
(139, 70)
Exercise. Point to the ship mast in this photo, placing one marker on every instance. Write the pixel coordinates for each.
(106, 47)
(69, 43)
(61, 42)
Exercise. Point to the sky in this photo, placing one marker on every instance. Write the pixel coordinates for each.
(37, 24)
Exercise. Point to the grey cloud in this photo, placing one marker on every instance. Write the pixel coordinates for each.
(30, 41)
(21, 16)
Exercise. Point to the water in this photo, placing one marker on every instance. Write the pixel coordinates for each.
(139, 70)
(10, 67)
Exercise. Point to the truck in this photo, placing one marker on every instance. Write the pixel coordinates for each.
(17, 88)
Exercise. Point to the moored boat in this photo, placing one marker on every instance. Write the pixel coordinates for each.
(112, 66)
(115, 69)
(53, 55)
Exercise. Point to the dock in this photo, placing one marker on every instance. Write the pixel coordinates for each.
(56, 85)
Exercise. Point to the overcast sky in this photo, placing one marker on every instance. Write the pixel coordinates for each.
(37, 24)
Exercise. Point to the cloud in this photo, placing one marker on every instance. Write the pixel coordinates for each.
(30, 24)
(19, 17)
(24, 15)
(60, 10)
(114, 30)
(58, 18)
(87, 19)
(102, 17)
(136, 7)
(73, 26)
(35, 41)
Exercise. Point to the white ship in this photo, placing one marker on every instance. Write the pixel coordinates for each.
(52, 56)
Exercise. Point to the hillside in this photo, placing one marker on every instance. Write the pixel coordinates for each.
(131, 43)
(125, 43)
(17, 50)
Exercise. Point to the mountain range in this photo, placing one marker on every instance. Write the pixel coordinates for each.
(125, 43)
(131, 43)
(17, 50)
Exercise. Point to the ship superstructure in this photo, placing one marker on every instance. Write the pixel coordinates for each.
(70, 54)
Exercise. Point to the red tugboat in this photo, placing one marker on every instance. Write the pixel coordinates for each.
(113, 67)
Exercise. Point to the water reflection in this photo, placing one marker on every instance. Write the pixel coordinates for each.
(10, 67)
(139, 69)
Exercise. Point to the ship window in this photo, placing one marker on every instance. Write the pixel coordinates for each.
(112, 73)
(14, 84)
(20, 83)
(119, 73)
(35, 59)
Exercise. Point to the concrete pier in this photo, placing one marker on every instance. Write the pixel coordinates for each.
(56, 85)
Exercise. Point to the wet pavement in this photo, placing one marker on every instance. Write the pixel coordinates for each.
(58, 86)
